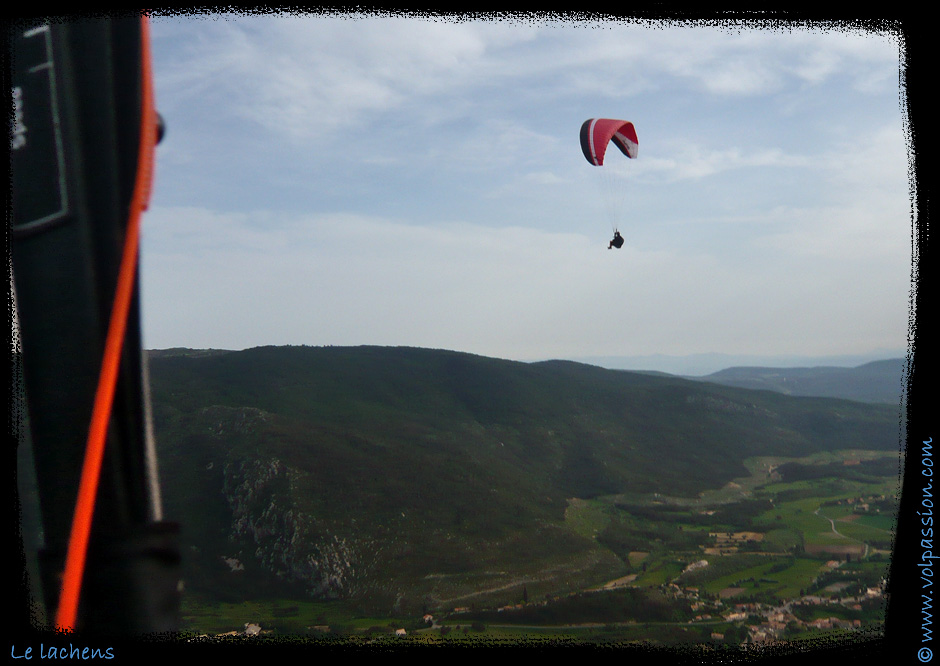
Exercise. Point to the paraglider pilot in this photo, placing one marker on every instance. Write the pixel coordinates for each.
(617, 242)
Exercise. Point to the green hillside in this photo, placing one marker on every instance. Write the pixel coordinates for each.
(414, 477)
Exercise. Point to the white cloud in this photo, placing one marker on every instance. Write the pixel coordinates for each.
(693, 161)
(299, 76)
(737, 61)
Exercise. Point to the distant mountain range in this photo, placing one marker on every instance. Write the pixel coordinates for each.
(407, 476)
(698, 365)
(878, 381)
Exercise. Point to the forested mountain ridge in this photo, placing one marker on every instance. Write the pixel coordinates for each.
(390, 473)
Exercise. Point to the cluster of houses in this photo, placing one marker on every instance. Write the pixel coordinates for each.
(776, 622)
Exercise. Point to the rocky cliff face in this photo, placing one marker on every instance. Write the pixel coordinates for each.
(262, 501)
(286, 541)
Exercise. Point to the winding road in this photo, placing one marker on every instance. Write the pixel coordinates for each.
(839, 534)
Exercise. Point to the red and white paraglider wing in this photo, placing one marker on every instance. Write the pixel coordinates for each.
(597, 133)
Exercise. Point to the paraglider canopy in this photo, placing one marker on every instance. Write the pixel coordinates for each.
(597, 133)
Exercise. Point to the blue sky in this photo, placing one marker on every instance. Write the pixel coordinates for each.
(365, 179)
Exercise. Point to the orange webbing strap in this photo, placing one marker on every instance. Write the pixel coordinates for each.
(104, 395)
